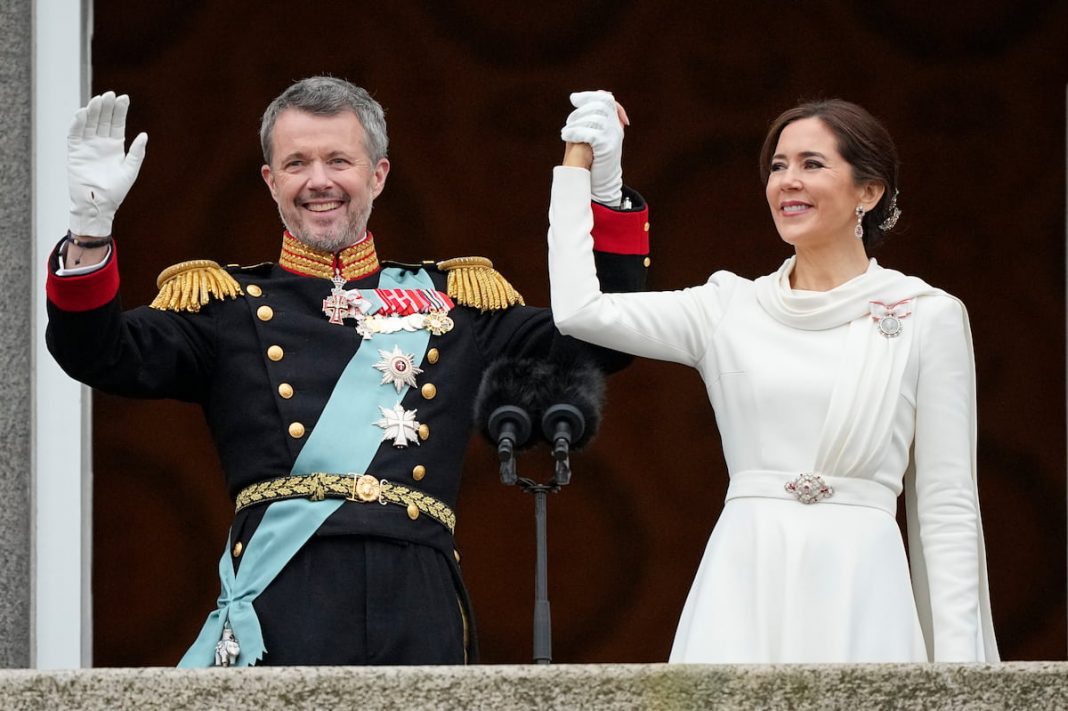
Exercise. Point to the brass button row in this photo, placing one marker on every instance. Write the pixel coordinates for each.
(275, 353)
(285, 390)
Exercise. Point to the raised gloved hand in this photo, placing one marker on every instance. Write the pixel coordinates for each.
(99, 171)
(598, 121)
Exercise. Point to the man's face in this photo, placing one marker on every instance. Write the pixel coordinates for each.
(322, 178)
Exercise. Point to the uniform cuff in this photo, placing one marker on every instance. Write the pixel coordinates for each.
(84, 292)
(622, 231)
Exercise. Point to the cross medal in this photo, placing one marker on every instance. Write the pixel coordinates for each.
(336, 306)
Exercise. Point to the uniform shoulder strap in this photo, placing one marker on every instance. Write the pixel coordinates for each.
(187, 286)
(472, 281)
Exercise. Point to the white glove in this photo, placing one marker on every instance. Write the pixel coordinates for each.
(596, 120)
(99, 172)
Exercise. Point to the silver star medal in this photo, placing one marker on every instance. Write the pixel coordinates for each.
(400, 425)
(397, 368)
(888, 318)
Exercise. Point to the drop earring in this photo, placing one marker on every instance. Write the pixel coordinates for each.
(858, 231)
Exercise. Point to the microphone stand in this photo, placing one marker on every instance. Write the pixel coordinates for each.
(542, 614)
(561, 424)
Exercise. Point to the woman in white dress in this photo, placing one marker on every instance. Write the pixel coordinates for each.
(837, 386)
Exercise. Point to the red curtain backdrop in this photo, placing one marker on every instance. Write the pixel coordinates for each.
(475, 94)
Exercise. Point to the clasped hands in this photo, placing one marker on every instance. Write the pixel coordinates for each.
(594, 136)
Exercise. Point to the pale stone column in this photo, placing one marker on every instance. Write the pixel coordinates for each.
(16, 332)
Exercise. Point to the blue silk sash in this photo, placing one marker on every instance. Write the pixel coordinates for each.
(344, 439)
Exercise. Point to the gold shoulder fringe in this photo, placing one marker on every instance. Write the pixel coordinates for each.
(189, 285)
(474, 282)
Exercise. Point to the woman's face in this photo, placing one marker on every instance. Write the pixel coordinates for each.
(810, 188)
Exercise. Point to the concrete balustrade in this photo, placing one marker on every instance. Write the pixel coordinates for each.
(1017, 685)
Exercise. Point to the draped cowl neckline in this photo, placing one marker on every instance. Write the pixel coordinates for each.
(820, 310)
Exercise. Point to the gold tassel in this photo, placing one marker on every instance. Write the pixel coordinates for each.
(189, 285)
(474, 282)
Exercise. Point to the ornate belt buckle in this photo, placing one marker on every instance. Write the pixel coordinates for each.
(365, 488)
(809, 488)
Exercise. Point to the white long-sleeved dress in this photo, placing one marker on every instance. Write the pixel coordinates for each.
(783, 581)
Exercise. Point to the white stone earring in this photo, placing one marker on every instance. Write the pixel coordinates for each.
(858, 231)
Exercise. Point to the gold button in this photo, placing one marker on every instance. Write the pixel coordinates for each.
(456, 555)
(265, 313)
(424, 432)
(296, 430)
(285, 390)
(413, 511)
(418, 472)
(432, 356)
(646, 226)
(275, 353)
(647, 261)
(254, 290)
(429, 391)
(237, 549)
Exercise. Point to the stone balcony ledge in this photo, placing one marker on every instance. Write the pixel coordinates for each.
(1014, 685)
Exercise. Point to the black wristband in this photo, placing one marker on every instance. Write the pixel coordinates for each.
(91, 243)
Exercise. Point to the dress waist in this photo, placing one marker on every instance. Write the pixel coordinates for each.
(812, 489)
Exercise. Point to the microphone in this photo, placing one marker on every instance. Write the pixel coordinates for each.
(510, 397)
(572, 411)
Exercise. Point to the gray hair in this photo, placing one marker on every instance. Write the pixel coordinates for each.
(328, 96)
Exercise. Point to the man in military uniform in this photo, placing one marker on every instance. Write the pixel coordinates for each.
(338, 388)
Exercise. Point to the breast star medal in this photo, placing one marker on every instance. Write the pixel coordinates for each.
(397, 368)
(888, 317)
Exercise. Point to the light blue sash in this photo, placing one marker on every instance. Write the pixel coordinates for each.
(345, 439)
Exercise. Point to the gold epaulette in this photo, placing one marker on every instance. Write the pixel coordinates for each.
(474, 282)
(189, 285)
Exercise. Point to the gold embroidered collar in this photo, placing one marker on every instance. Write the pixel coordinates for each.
(353, 262)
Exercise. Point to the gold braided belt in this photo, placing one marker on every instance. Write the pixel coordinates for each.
(361, 488)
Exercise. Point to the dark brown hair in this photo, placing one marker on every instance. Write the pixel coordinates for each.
(863, 142)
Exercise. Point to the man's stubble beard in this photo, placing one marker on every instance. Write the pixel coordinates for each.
(349, 234)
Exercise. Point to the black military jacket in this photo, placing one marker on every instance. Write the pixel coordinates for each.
(262, 366)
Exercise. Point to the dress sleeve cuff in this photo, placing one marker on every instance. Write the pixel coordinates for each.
(622, 231)
(84, 292)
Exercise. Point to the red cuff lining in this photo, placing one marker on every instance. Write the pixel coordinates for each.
(620, 232)
(85, 292)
